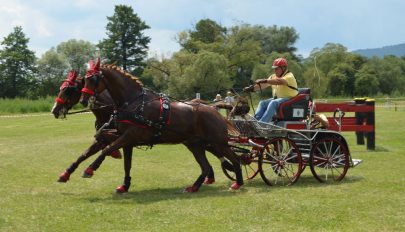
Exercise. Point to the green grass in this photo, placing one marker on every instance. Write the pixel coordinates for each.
(34, 150)
(25, 106)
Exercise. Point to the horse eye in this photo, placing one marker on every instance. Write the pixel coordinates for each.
(69, 90)
(94, 79)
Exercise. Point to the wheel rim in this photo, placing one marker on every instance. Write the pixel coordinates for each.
(280, 162)
(329, 160)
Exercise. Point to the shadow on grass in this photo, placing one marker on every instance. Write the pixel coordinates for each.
(379, 149)
(147, 196)
(217, 190)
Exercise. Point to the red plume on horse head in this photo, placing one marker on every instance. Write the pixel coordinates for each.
(93, 68)
(70, 80)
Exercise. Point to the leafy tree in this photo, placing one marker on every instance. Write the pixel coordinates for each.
(274, 38)
(17, 65)
(206, 75)
(207, 35)
(390, 74)
(77, 53)
(52, 69)
(341, 79)
(243, 53)
(126, 45)
(326, 58)
(317, 81)
(366, 83)
(353, 63)
(157, 73)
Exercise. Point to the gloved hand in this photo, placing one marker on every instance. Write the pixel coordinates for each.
(249, 89)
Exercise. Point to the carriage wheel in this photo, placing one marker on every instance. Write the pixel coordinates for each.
(248, 165)
(280, 162)
(329, 160)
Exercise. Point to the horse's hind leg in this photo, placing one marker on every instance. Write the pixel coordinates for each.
(221, 151)
(93, 149)
(224, 163)
(127, 168)
(198, 150)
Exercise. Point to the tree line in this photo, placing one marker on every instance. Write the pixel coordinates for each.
(212, 59)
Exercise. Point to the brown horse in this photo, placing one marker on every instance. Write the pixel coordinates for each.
(146, 118)
(68, 96)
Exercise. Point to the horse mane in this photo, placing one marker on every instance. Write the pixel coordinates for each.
(122, 72)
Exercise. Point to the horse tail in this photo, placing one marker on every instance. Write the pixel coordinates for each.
(232, 131)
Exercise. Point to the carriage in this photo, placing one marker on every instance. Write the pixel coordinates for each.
(280, 154)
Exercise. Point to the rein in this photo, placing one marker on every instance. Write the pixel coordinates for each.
(88, 110)
(79, 111)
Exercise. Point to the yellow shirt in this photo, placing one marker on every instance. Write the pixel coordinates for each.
(283, 91)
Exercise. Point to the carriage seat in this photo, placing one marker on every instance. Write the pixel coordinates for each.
(296, 108)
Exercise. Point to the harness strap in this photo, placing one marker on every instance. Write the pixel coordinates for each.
(138, 120)
(292, 87)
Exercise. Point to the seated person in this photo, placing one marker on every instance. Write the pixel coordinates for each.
(284, 87)
(229, 99)
(218, 98)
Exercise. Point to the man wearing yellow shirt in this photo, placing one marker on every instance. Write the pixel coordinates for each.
(284, 87)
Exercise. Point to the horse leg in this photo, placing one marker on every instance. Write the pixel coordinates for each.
(115, 145)
(127, 168)
(224, 163)
(198, 150)
(93, 149)
(210, 178)
(225, 150)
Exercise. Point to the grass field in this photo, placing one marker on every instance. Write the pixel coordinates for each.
(34, 150)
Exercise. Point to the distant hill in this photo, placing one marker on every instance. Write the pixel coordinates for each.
(396, 50)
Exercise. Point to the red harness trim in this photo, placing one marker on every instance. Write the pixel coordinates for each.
(132, 123)
(59, 100)
(88, 91)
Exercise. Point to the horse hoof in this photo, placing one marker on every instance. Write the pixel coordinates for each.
(121, 189)
(235, 186)
(116, 154)
(208, 181)
(191, 189)
(64, 177)
(88, 173)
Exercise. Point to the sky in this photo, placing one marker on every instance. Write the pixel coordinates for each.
(356, 24)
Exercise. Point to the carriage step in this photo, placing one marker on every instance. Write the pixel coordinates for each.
(356, 162)
(302, 144)
(305, 155)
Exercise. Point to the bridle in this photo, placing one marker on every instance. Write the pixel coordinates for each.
(67, 84)
(95, 78)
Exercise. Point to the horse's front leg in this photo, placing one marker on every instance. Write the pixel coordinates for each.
(198, 150)
(93, 149)
(115, 145)
(127, 168)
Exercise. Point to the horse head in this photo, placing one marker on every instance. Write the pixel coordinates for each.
(92, 82)
(122, 86)
(68, 96)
